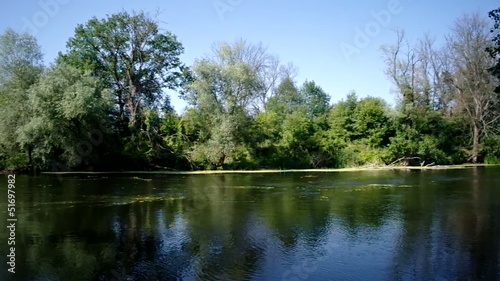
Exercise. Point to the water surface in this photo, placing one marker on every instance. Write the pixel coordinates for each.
(370, 225)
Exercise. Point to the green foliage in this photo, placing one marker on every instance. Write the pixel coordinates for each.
(432, 137)
(245, 110)
(358, 154)
(295, 144)
(341, 119)
(133, 58)
(359, 131)
(21, 59)
(316, 99)
(491, 150)
(66, 106)
(290, 133)
(223, 87)
(137, 62)
(10, 160)
(372, 123)
(20, 67)
(494, 50)
(220, 146)
(286, 98)
(492, 160)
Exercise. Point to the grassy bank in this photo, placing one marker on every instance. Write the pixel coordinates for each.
(208, 172)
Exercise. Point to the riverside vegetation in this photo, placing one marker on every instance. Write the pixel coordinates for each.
(103, 104)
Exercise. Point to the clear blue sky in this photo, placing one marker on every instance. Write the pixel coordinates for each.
(307, 33)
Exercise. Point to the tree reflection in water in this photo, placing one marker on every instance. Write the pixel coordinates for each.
(378, 225)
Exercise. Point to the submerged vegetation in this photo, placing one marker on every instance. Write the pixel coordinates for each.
(103, 104)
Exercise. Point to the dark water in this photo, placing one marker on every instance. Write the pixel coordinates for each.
(391, 225)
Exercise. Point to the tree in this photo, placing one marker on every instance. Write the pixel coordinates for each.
(67, 107)
(372, 123)
(224, 86)
(491, 143)
(341, 118)
(401, 63)
(494, 50)
(474, 86)
(21, 59)
(316, 99)
(288, 130)
(359, 130)
(286, 98)
(296, 144)
(268, 69)
(21, 63)
(418, 73)
(133, 58)
(428, 99)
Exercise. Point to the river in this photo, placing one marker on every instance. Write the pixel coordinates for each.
(367, 225)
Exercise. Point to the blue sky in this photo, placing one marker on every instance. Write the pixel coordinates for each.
(309, 34)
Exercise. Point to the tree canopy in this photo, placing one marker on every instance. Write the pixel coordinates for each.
(104, 103)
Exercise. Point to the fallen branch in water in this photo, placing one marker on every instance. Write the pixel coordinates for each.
(403, 159)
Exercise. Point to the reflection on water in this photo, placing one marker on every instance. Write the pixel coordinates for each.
(379, 225)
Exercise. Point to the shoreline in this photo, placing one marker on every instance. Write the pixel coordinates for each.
(275, 171)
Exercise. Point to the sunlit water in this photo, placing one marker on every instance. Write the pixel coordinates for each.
(372, 225)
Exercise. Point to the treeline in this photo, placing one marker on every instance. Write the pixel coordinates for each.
(103, 104)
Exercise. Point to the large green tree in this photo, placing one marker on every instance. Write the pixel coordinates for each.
(289, 130)
(225, 84)
(317, 101)
(286, 98)
(65, 122)
(359, 130)
(133, 57)
(21, 64)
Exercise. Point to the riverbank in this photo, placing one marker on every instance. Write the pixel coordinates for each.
(208, 172)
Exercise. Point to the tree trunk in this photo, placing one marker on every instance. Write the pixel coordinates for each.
(475, 144)
(220, 164)
(30, 159)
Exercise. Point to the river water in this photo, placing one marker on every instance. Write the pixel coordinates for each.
(369, 225)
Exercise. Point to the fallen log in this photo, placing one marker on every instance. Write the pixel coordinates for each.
(404, 159)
